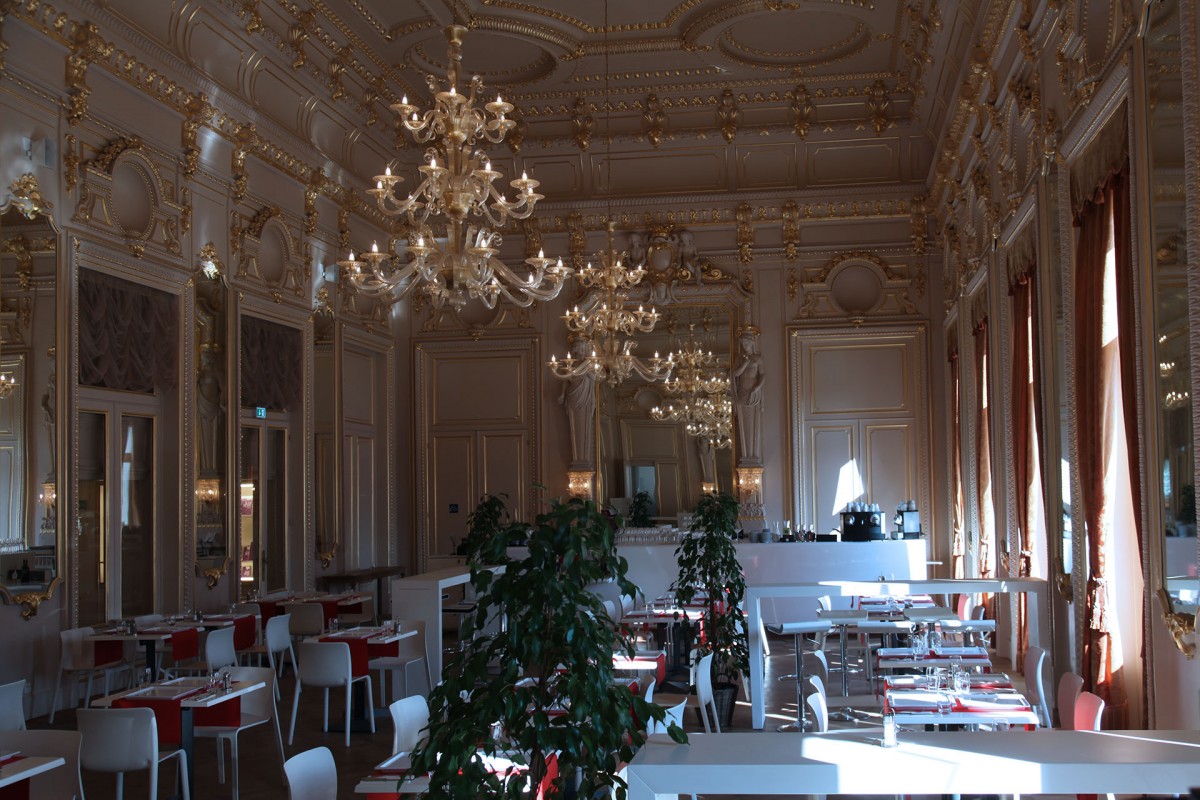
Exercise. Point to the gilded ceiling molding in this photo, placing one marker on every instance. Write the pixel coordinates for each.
(311, 192)
(87, 46)
(199, 112)
(892, 298)
(248, 10)
(919, 213)
(298, 33)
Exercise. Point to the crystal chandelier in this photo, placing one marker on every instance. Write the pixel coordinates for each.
(700, 385)
(603, 323)
(458, 263)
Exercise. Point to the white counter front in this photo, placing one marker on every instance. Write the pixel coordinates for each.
(652, 567)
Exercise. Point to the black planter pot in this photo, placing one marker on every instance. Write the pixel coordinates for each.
(725, 694)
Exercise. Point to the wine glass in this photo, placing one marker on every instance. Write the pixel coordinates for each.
(944, 703)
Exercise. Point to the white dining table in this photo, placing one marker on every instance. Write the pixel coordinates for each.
(23, 768)
(207, 698)
(942, 762)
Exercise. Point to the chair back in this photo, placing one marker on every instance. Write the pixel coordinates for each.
(413, 647)
(1035, 658)
(63, 783)
(674, 714)
(1089, 708)
(279, 633)
(308, 619)
(241, 609)
(964, 606)
(704, 687)
(648, 695)
(324, 663)
(979, 612)
(260, 702)
(820, 666)
(117, 739)
(78, 652)
(820, 711)
(12, 706)
(1069, 687)
(311, 775)
(219, 651)
(815, 684)
(410, 718)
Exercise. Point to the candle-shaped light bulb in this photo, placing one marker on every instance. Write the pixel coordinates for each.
(499, 100)
(403, 99)
(524, 175)
(452, 90)
(420, 240)
(541, 253)
(379, 185)
(487, 166)
(374, 247)
(387, 171)
(351, 255)
(433, 162)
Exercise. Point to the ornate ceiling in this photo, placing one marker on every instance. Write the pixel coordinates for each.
(624, 99)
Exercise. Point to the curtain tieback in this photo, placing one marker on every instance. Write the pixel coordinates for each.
(1098, 603)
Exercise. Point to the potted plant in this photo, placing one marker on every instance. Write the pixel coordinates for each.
(542, 685)
(639, 510)
(490, 519)
(709, 569)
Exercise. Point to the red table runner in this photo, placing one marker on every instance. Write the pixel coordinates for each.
(20, 789)
(245, 631)
(107, 652)
(168, 714)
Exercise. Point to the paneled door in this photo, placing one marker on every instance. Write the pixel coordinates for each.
(262, 512)
(861, 426)
(477, 433)
(118, 506)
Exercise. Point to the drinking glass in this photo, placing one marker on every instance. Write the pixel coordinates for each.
(1001, 726)
(944, 703)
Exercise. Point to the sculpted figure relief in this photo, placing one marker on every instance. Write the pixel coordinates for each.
(748, 378)
(578, 396)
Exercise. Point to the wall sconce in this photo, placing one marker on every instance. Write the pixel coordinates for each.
(210, 262)
(708, 487)
(208, 490)
(579, 483)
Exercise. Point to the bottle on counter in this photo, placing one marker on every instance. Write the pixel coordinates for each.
(889, 729)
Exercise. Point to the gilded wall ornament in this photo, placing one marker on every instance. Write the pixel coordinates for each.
(803, 110)
(791, 230)
(653, 120)
(879, 108)
(728, 115)
(745, 233)
(244, 137)
(532, 230)
(86, 46)
(199, 112)
(298, 33)
(337, 68)
(582, 124)
(516, 136)
(248, 10)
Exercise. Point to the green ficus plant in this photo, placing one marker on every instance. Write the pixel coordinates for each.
(542, 683)
(709, 568)
(639, 510)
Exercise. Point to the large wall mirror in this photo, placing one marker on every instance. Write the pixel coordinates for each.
(644, 451)
(1166, 258)
(29, 464)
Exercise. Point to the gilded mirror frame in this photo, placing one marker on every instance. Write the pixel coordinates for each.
(24, 197)
(1159, 268)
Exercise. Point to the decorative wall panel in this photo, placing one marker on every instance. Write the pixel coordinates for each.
(842, 163)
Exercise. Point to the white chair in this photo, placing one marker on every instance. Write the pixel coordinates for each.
(328, 665)
(819, 711)
(12, 706)
(311, 775)
(1035, 658)
(674, 714)
(219, 651)
(277, 643)
(1069, 687)
(62, 783)
(1089, 709)
(648, 695)
(410, 718)
(308, 619)
(124, 740)
(409, 662)
(78, 658)
(705, 699)
(258, 708)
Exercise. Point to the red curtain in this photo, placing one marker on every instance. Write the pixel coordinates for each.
(1095, 370)
(958, 547)
(983, 453)
(1021, 424)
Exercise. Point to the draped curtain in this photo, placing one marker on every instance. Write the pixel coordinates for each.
(1026, 416)
(958, 548)
(130, 339)
(1097, 369)
(272, 371)
(983, 453)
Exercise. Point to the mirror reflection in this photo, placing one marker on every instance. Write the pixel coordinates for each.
(641, 450)
(28, 402)
(1164, 95)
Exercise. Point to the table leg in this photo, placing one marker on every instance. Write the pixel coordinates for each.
(187, 743)
(151, 664)
(801, 723)
(842, 654)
